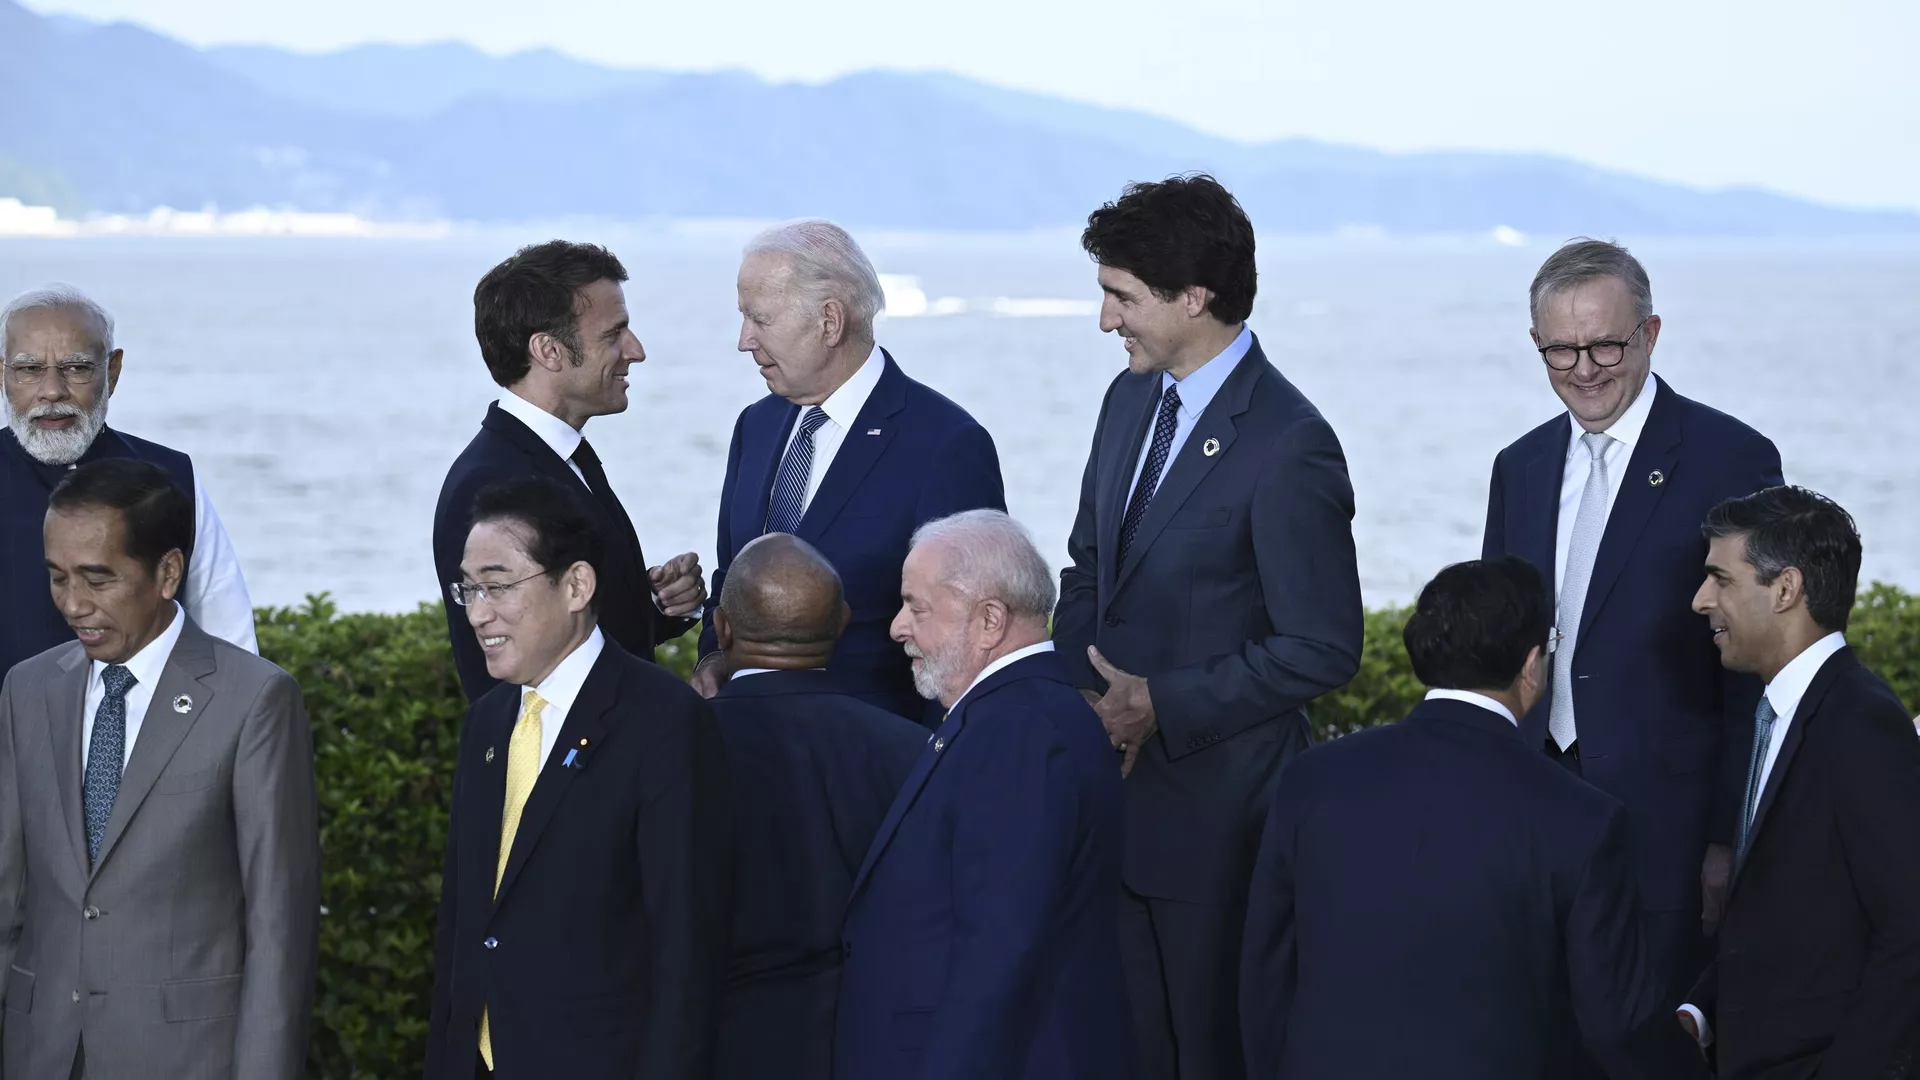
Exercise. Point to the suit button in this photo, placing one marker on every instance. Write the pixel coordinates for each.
(490, 943)
(1114, 620)
(91, 913)
(76, 997)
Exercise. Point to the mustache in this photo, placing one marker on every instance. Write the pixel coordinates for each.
(55, 410)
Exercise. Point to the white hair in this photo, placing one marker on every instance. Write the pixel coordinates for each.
(990, 556)
(59, 296)
(827, 265)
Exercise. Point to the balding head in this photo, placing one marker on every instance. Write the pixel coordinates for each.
(782, 606)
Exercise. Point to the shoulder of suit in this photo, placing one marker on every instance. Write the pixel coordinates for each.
(148, 445)
(1718, 426)
(44, 666)
(1863, 702)
(234, 662)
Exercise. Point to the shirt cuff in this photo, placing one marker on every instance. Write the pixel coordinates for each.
(1700, 1021)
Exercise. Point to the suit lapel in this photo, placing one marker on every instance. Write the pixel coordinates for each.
(1112, 510)
(1657, 452)
(1191, 466)
(1545, 472)
(479, 816)
(758, 472)
(66, 709)
(623, 542)
(1803, 716)
(939, 744)
(589, 721)
(859, 450)
(163, 729)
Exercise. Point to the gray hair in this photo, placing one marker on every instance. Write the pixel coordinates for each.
(827, 264)
(990, 556)
(1584, 259)
(59, 296)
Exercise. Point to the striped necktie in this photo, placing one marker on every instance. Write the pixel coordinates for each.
(789, 499)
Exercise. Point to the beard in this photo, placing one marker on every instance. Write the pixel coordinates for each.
(62, 447)
(937, 672)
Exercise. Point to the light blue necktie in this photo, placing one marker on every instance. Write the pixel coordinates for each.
(789, 499)
(1763, 718)
(106, 755)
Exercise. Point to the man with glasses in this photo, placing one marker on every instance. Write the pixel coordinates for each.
(583, 907)
(61, 367)
(1606, 500)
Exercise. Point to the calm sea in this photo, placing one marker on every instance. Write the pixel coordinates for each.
(323, 386)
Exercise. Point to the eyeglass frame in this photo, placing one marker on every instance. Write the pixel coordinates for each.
(16, 372)
(1592, 345)
(458, 590)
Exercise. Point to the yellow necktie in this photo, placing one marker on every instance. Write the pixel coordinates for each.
(523, 768)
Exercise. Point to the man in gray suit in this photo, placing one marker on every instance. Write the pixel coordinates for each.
(159, 843)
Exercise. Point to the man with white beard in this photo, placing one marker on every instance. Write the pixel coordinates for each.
(61, 368)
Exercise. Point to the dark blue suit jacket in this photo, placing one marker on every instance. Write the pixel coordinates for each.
(1431, 899)
(813, 772)
(600, 956)
(982, 939)
(913, 456)
(1239, 603)
(1663, 728)
(506, 449)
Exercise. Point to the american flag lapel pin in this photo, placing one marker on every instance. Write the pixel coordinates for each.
(873, 431)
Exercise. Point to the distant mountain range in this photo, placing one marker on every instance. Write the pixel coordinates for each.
(118, 118)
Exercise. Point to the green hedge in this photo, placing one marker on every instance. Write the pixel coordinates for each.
(386, 710)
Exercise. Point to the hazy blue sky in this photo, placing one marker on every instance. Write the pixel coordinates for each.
(1815, 99)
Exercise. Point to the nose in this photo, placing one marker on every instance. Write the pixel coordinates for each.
(1109, 316)
(479, 615)
(71, 603)
(901, 630)
(632, 351)
(746, 342)
(1702, 603)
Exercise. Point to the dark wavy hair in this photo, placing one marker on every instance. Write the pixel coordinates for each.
(1178, 233)
(533, 293)
(1792, 526)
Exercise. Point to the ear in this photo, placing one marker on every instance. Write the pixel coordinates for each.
(171, 572)
(582, 583)
(1194, 300)
(1534, 333)
(722, 629)
(113, 369)
(1533, 669)
(1651, 332)
(545, 351)
(833, 322)
(1789, 589)
(993, 621)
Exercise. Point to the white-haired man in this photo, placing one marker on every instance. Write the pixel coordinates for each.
(61, 369)
(982, 937)
(845, 452)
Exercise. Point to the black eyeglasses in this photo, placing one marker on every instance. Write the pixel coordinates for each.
(465, 595)
(1604, 353)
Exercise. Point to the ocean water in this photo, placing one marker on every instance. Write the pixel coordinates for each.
(323, 386)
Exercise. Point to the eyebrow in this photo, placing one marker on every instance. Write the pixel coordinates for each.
(89, 568)
(1113, 290)
(617, 329)
(495, 568)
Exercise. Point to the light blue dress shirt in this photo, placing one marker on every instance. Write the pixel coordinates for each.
(1196, 392)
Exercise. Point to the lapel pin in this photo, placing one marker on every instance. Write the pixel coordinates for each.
(571, 755)
(183, 704)
(1210, 447)
(489, 755)
(1656, 478)
(939, 743)
(583, 744)
(873, 431)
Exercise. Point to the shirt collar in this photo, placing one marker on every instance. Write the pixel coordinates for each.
(147, 664)
(555, 432)
(1472, 698)
(1202, 383)
(1790, 685)
(1010, 658)
(562, 685)
(1627, 429)
(843, 405)
(745, 671)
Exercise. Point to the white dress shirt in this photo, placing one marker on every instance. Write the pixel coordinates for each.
(842, 408)
(1573, 481)
(1015, 655)
(1784, 694)
(563, 438)
(1197, 391)
(1472, 698)
(146, 666)
(560, 689)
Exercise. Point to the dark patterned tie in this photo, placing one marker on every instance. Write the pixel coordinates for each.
(106, 752)
(1164, 426)
(789, 499)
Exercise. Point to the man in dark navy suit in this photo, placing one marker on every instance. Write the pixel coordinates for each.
(553, 329)
(583, 908)
(1819, 954)
(1433, 897)
(1213, 592)
(1606, 500)
(813, 772)
(845, 451)
(981, 940)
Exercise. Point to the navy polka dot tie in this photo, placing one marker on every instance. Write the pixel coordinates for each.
(106, 753)
(1163, 428)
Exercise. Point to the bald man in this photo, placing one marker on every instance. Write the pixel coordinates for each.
(814, 772)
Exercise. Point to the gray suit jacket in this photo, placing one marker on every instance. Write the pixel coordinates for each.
(189, 950)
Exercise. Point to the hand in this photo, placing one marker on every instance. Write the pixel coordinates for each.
(1716, 875)
(707, 675)
(1126, 710)
(1092, 696)
(679, 587)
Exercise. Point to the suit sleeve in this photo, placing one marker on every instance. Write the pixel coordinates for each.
(216, 593)
(450, 527)
(686, 859)
(438, 1015)
(966, 477)
(1493, 542)
(13, 847)
(1618, 988)
(1269, 960)
(1010, 857)
(1302, 523)
(1873, 775)
(1739, 692)
(723, 542)
(276, 825)
(1078, 607)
